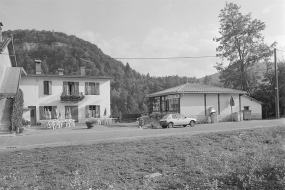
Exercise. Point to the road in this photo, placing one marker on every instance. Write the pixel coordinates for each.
(39, 137)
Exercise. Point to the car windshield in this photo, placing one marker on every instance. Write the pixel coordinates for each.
(165, 117)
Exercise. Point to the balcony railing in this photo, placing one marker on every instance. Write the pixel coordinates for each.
(71, 98)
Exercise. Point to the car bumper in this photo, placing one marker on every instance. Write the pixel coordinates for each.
(163, 123)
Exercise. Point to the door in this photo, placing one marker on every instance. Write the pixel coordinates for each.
(73, 111)
(33, 116)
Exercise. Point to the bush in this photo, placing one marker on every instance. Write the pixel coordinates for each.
(17, 113)
(25, 122)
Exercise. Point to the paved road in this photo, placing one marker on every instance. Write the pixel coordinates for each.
(39, 137)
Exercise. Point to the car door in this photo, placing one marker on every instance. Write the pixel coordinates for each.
(174, 119)
(182, 120)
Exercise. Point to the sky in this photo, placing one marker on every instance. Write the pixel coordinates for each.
(146, 28)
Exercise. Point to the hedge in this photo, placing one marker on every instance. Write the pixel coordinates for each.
(17, 113)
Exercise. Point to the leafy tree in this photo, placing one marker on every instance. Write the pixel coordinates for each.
(242, 45)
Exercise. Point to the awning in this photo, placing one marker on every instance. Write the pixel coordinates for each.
(10, 82)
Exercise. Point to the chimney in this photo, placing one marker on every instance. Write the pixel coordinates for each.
(60, 71)
(1, 39)
(82, 70)
(38, 67)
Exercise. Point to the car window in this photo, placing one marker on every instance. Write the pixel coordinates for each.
(182, 116)
(174, 116)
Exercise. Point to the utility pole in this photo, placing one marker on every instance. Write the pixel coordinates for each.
(277, 88)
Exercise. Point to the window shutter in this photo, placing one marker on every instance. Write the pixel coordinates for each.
(76, 86)
(45, 88)
(41, 108)
(64, 87)
(87, 111)
(93, 90)
(86, 88)
(97, 111)
(97, 88)
(50, 87)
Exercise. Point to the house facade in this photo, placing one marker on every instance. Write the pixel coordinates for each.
(195, 100)
(82, 96)
(9, 81)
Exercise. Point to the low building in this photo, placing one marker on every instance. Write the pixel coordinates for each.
(9, 81)
(82, 96)
(195, 100)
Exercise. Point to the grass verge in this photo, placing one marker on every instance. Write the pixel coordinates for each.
(243, 159)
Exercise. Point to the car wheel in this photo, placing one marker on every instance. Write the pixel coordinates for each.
(192, 123)
(170, 125)
(184, 125)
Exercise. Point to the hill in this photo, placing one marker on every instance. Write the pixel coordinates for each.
(58, 50)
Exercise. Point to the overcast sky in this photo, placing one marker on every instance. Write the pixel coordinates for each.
(145, 28)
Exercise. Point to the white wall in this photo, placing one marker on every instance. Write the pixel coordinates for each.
(34, 95)
(254, 106)
(193, 104)
(4, 62)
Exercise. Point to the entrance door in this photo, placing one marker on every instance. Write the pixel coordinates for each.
(33, 115)
(73, 110)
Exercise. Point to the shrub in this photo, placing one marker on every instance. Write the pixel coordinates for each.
(25, 122)
(17, 113)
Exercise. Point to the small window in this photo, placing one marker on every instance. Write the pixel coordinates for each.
(246, 107)
(47, 87)
(93, 111)
(92, 88)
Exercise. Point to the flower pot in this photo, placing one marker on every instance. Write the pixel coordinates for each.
(90, 125)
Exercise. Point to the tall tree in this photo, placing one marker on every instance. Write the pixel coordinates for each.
(242, 45)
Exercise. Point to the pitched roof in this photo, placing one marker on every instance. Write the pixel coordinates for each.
(10, 82)
(196, 88)
(4, 43)
(70, 76)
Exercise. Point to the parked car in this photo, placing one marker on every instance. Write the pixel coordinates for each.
(171, 120)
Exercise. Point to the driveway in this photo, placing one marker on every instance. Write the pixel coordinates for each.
(40, 137)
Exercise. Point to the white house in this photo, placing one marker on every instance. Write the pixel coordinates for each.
(84, 96)
(194, 100)
(9, 81)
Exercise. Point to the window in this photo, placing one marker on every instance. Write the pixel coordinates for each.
(92, 111)
(172, 105)
(246, 107)
(47, 87)
(156, 104)
(70, 88)
(92, 88)
(45, 115)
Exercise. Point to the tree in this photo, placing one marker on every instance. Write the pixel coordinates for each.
(242, 44)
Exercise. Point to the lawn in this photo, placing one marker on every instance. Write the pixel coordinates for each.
(242, 159)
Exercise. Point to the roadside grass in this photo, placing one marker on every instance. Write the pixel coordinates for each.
(242, 159)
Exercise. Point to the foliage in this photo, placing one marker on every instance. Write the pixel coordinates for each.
(17, 113)
(242, 45)
(58, 50)
(71, 98)
(25, 122)
(266, 91)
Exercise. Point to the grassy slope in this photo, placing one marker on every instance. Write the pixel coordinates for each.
(244, 159)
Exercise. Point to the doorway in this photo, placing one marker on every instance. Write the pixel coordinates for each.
(33, 115)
